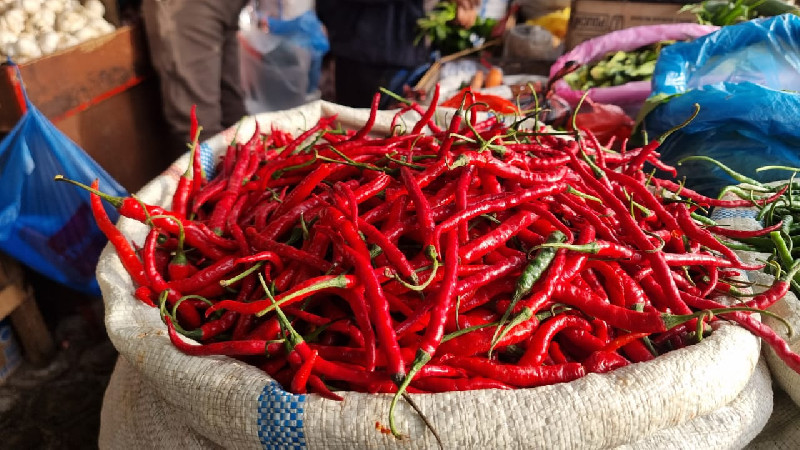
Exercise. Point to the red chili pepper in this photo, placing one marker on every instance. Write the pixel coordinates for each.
(379, 310)
(601, 249)
(700, 199)
(506, 202)
(146, 295)
(226, 348)
(423, 212)
(303, 373)
(297, 293)
(180, 198)
(705, 238)
(434, 384)
(127, 255)
(519, 376)
(539, 342)
(500, 235)
(373, 112)
(188, 315)
(481, 340)
(604, 361)
(744, 234)
(204, 277)
(623, 340)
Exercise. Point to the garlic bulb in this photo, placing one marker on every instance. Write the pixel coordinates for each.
(102, 26)
(86, 33)
(67, 40)
(94, 8)
(48, 41)
(14, 20)
(70, 21)
(27, 47)
(30, 6)
(44, 20)
(56, 6)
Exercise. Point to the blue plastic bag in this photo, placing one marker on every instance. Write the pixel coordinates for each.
(306, 32)
(44, 224)
(746, 80)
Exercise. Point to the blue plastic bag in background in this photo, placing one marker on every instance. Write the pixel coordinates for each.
(44, 224)
(746, 80)
(280, 57)
(306, 32)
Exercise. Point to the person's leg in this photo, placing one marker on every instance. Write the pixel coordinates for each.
(357, 82)
(232, 101)
(186, 41)
(159, 25)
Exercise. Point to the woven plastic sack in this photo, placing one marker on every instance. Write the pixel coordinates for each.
(788, 307)
(746, 80)
(630, 96)
(712, 394)
(782, 432)
(46, 225)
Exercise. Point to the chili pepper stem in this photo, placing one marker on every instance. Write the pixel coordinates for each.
(336, 282)
(293, 338)
(434, 257)
(420, 360)
(735, 175)
(242, 275)
(115, 201)
(673, 320)
(523, 315)
(527, 279)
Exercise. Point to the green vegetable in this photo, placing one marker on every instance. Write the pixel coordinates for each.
(618, 67)
(730, 12)
(448, 37)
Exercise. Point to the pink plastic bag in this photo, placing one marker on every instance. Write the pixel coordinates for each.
(629, 96)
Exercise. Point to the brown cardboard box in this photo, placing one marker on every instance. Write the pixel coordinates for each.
(102, 94)
(591, 18)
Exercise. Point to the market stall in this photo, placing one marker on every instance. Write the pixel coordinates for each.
(569, 232)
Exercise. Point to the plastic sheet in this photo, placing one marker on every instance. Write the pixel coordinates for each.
(746, 80)
(281, 60)
(44, 224)
(629, 96)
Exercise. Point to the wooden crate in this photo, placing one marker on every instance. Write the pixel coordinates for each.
(17, 301)
(592, 18)
(103, 94)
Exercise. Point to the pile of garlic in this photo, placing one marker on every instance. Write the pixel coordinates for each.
(33, 28)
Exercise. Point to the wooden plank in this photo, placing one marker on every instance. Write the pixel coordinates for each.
(10, 298)
(124, 134)
(73, 79)
(31, 331)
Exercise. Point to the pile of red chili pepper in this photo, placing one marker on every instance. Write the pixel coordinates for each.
(481, 254)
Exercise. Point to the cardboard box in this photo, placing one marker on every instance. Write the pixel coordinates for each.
(103, 94)
(592, 18)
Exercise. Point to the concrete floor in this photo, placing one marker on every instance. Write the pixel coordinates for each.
(57, 406)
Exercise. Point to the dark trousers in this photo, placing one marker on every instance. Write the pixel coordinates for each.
(357, 82)
(195, 52)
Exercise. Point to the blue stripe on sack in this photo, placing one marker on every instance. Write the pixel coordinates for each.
(280, 419)
(733, 213)
(207, 160)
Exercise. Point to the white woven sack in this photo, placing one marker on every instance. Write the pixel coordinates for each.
(788, 308)
(161, 398)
